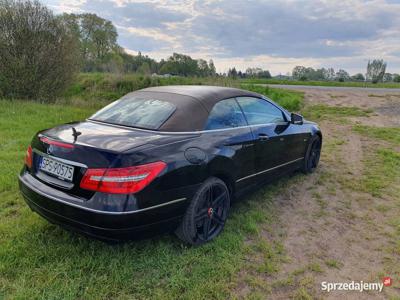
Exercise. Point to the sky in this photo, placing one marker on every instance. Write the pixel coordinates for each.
(274, 35)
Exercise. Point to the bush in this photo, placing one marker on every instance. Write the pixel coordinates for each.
(105, 87)
(38, 58)
(290, 100)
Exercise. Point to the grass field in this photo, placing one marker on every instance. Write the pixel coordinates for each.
(41, 261)
(322, 83)
(275, 242)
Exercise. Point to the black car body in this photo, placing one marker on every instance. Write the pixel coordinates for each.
(144, 174)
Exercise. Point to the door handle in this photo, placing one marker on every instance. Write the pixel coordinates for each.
(263, 137)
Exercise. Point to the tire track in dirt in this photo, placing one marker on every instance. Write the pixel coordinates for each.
(331, 230)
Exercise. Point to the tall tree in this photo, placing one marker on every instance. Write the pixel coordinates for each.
(329, 74)
(342, 75)
(299, 73)
(232, 73)
(97, 37)
(202, 67)
(180, 64)
(211, 66)
(376, 70)
(387, 77)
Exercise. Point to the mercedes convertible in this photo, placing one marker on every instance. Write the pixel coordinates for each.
(169, 158)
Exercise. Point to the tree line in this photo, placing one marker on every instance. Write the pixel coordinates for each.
(249, 73)
(375, 72)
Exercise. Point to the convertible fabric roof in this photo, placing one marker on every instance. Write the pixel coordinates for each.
(193, 103)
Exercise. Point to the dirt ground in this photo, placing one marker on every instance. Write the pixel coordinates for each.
(329, 229)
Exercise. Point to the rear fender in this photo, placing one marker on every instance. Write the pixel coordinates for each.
(223, 168)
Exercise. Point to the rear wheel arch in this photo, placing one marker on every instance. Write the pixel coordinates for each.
(220, 168)
(319, 134)
(227, 179)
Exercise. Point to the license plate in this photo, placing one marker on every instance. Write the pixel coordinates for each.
(56, 168)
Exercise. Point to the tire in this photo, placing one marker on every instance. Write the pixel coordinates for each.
(208, 210)
(313, 153)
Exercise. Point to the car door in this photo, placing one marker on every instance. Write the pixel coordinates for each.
(268, 125)
(296, 139)
(230, 136)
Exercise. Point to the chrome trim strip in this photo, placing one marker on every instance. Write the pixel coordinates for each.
(68, 162)
(270, 169)
(100, 211)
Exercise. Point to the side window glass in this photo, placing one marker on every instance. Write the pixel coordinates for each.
(260, 111)
(225, 114)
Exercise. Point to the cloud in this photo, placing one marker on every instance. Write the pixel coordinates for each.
(292, 29)
(273, 34)
(135, 14)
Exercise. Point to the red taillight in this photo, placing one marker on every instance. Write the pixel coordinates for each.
(56, 143)
(121, 180)
(28, 157)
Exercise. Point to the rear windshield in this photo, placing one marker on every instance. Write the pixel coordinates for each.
(136, 112)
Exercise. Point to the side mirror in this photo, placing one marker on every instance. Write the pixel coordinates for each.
(296, 119)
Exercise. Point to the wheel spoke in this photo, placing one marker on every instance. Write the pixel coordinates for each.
(218, 219)
(201, 215)
(209, 197)
(206, 228)
(217, 201)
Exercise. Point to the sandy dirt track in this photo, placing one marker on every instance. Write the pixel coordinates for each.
(330, 229)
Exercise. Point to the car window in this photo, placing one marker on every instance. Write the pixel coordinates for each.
(259, 111)
(136, 112)
(225, 114)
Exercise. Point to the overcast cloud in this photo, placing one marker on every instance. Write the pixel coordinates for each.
(276, 35)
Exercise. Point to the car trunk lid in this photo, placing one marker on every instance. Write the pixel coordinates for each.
(89, 144)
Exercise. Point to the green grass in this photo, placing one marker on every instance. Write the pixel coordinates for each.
(92, 88)
(323, 112)
(39, 260)
(332, 263)
(291, 100)
(390, 134)
(382, 172)
(18, 122)
(322, 83)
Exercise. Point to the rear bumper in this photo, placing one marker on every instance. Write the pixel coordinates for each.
(104, 225)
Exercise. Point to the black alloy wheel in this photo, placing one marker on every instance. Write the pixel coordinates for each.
(207, 213)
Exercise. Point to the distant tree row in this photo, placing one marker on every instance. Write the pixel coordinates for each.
(376, 72)
(100, 52)
(250, 73)
(184, 65)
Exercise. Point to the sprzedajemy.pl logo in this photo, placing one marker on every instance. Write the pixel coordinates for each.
(356, 285)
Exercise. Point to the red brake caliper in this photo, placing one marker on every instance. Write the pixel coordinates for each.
(210, 212)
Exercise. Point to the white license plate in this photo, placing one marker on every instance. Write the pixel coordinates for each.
(54, 167)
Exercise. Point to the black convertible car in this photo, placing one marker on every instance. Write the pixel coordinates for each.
(164, 158)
